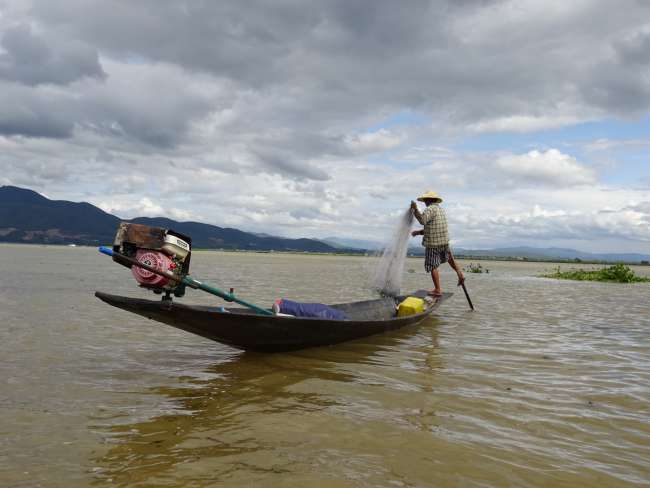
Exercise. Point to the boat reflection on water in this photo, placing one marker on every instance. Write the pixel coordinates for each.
(259, 413)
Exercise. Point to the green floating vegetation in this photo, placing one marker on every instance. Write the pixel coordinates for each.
(618, 273)
(476, 268)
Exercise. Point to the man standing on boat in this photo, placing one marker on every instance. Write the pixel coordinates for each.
(435, 239)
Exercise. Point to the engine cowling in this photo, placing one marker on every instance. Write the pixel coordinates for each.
(163, 249)
(155, 259)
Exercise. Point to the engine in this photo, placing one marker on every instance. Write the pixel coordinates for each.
(163, 249)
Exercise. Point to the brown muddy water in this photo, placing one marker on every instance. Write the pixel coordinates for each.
(546, 384)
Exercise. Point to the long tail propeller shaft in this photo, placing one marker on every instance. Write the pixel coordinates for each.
(191, 282)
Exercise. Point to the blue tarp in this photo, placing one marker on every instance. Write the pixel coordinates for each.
(311, 310)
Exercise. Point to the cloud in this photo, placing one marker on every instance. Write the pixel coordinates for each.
(377, 141)
(523, 123)
(321, 74)
(284, 118)
(33, 60)
(593, 218)
(634, 47)
(594, 230)
(497, 170)
(640, 212)
(42, 112)
(550, 168)
(151, 105)
(284, 162)
(604, 144)
(460, 61)
(144, 207)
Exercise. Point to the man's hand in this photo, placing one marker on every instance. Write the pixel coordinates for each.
(414, 205)
(416, 233)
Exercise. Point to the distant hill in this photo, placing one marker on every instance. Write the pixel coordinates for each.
(343, 243)
(521, 252)
(551, 253)
(211, 237)
(28, 217)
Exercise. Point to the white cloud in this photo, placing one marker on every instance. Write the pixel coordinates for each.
(548, 167)
(127, 207)
(524, 123)
(150, 209)
(604, 144)
(598, 219)
(370, 142)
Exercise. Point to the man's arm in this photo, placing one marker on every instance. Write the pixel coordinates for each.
(417, 232)
(416, 212)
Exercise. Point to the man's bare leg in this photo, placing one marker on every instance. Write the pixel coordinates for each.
(459, 272)
(435, 276)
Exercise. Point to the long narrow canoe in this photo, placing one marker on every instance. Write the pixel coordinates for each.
(244, 329)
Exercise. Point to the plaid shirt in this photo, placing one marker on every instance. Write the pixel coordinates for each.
(434, 220)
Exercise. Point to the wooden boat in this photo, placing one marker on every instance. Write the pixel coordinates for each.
(244, 329)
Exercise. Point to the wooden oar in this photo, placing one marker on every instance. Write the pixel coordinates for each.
(192, 283)
(469, 300)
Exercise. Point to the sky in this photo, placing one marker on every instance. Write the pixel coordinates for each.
(530, 118)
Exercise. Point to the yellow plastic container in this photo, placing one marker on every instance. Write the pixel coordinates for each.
(410, 306)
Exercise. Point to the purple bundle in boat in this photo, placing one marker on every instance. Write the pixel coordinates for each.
(317, 310)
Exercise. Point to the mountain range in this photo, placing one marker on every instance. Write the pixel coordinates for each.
(523, 252)
(28, 217)
(546, 254)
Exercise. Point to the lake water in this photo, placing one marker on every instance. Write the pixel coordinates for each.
(546, 384)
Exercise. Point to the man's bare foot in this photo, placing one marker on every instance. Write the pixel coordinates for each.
(434, 293)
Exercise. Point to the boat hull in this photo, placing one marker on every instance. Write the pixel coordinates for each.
(246, 330)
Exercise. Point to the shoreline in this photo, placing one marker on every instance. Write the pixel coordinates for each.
(575, 261)
(368, 254)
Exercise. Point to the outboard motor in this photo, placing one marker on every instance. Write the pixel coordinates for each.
(160, 248)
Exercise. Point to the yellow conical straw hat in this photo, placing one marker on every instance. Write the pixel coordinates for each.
(430, 195)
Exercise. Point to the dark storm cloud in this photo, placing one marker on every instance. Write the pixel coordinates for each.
(297, 79)
(30, 113)
(283, 162)
(262, 43)
(241, 40)
(30, 60)
(338, 63)
(620, 82)
(32, 125)
(336, 58)
(135, 105)
(635, 48)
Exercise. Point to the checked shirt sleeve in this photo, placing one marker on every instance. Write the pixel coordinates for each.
(435, 227)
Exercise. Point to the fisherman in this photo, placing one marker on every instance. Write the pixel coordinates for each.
(435, 239)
